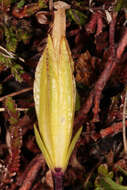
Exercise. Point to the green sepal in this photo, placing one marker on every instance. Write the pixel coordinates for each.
(72, 145)
(43, 147)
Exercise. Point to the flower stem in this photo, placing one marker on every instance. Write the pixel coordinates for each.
(58, 179)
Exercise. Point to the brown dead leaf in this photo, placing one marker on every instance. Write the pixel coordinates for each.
(41, 17)
(49, 179)
(84, 69)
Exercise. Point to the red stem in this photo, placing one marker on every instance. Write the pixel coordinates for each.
(122, 45)
(95, 94)
(31, 172)
(109, 67)
(58, 179)
(113, 129)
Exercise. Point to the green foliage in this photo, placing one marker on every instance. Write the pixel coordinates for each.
(11, 109)
(20, 4)
(5, 3)
(103, 170)
(14, 35)
(42, 4)
(104, 180)
(11, 40)
(23, 34)
(77, 16)
(5, 60)
(17, 71)
(120, 4)
(109, 184)
(10, 105)
(122, 170)
(34, 7)
(13, 136)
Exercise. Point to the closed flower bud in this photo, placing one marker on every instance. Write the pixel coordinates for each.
(54, 95)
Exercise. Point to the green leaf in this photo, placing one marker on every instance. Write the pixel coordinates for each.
(11, 106)
(5, 61)
(20, 4)
(103, 169)
(122, 170)
(120, 4)
(11, 40)
(120, 179)
(42, 4)
(78, 17)
(17, 71)
(109, 184)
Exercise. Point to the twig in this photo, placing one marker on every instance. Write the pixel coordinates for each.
(31, 172)
(37, 186)
(112, 35)
(113, 129)
(95, 94)
(18, 109)
(105, 75)
(81, 116)
(9, 54)
(122, 45)
(124, 124)
(16, 93)
(50, 5)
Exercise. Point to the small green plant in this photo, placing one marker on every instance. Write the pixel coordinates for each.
(104, 180)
